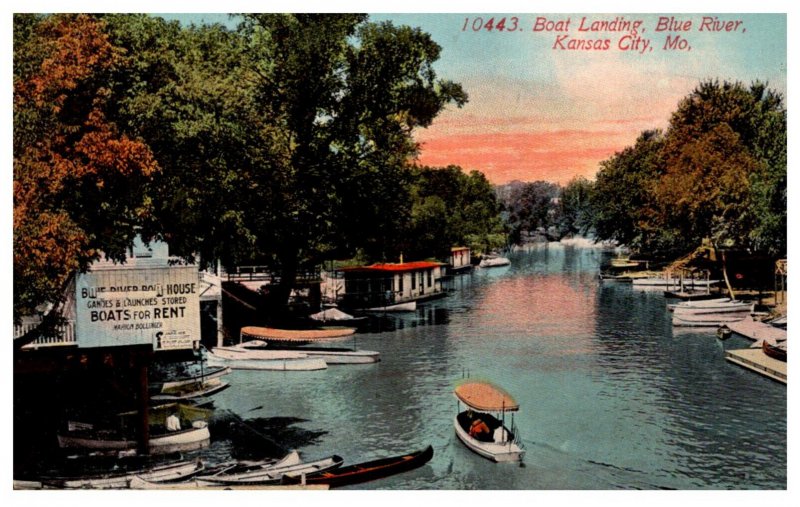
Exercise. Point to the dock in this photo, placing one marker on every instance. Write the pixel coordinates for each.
(756, 360)
(755, 330)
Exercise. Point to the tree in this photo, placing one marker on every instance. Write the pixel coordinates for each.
(345, 96)
(577, 211)
(76, 177)
(726, 143)
(623, 193)
(451, 208)
(190, 93)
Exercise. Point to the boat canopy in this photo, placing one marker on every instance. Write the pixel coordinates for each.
(295, 335)
(486, 397)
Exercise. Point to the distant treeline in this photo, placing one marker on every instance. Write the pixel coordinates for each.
(718, 172)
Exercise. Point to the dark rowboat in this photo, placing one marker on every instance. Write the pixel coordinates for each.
(774, 351)
(367, 471)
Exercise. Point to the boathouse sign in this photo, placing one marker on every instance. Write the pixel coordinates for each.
(138, 305)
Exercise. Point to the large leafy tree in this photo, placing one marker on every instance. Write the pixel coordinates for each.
(725, 159)
(345, 96)
(577, 207)
(190, 93)
(623, 193)
(718, 172)
(77, 178)
(449, 208)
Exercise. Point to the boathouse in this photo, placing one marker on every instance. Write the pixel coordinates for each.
(150, 299)
(379, 285)
(460, 259)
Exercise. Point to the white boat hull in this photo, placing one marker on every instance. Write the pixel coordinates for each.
(409, 306)
(159, 474)
(196, 437)
(304, 363)
(197, 379)
(494, 262)
(345, 357)
(708, 319)
(720, 309)
(498, 452)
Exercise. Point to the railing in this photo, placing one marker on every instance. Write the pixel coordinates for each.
(66, 335)
(263, 273)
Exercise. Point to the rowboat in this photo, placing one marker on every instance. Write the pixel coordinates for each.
(294, 335)
(363, 472)
(775, 351)
(190, 391)
(408, 306)
(707, 319)
(331, 355)
(139, 483)
(242, 359)
(272, 474)
(195, 437)
(159, 474)
(192, 379)
(703, 307)
(334, 314)
(480, 430)
(191, 431)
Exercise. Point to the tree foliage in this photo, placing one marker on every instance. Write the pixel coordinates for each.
(718, 171)
(451, 208)
(285, 141)
(76, 176)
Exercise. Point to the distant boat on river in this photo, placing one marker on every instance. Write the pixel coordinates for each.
(493, 260)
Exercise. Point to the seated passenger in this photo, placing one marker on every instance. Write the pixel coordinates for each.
(478, 429)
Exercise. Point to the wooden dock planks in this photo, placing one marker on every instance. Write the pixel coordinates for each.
(755, 330)
(756, 360)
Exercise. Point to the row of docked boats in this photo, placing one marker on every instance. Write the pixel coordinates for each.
(289, 350)
(289, 470)
(710, 312)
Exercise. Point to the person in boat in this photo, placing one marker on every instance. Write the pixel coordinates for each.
(173, 423)
(478, 429)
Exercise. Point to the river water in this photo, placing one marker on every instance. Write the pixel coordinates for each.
(611, 397)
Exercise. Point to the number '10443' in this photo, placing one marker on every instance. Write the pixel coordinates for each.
(500, 24)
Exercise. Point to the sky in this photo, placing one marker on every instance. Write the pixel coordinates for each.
(539, 110)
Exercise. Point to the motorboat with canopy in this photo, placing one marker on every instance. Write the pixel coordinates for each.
(479, 426)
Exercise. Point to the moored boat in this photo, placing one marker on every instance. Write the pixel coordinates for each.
(244, 359)
(707, 319)
(165, 473)
(774, 350)
(198, 377)
(195, 437)
(272, 474)
(408, 306)
(173, 427)
(331, 355)
(366, 471)
(295, 335)
(191, 391)
(492, 261)
(702, 307)
(480, 430)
